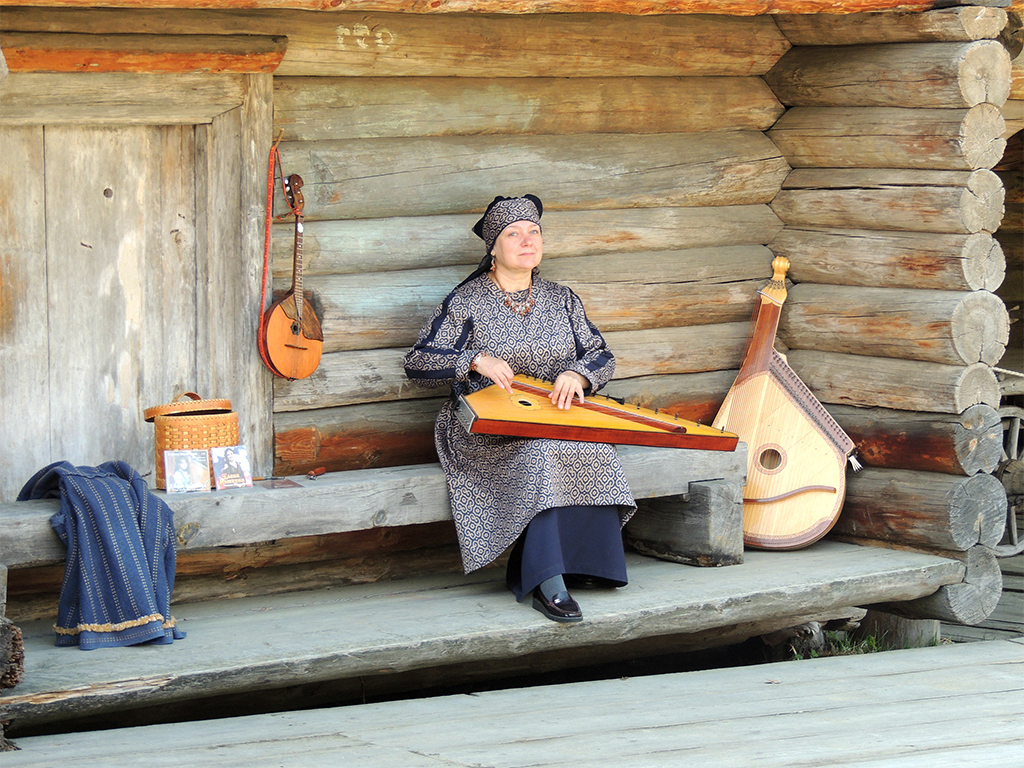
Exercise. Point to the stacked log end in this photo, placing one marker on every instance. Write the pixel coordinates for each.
(893, 220)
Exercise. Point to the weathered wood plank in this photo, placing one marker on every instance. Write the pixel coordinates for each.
(630, 292)
(135, 284)
(924, 509)
(480, 621)
(631, 7)
(942, 25)
(344, 501)
(232, 156)
(958, 202)
(413, 242)
(964, 443)
(906, 385)
(373, 178)
(69, 52)
(25, 433)
(891, 137)
(914, 75)
(332, 108)
(872, 258)
(901, 698)
(949, 327)
(462, 45)
(83, 98)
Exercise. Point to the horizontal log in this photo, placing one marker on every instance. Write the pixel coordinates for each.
(896, 259)
(383, 245)
(970, 602)
(960, 202)
(949, 327)
(118, 98)
(905, 385)
(1013, 116)
(943, 25)
(634, 292)
(69, 52)
(890, 137)
(912, 75)
(373, 376)
(925, 509)
(954, 444)
(401, 432)
(694, 396)
(332, 108)
(358, 43)
(355, 437)
(373, 178)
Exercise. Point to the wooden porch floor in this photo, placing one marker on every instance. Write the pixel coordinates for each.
(374, 633)
(946, 705)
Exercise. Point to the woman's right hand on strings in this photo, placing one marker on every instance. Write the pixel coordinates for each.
(495, 369)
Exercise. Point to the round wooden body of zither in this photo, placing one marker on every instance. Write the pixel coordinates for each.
(796, 475)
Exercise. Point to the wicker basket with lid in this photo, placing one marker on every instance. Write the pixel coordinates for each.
(189, 422)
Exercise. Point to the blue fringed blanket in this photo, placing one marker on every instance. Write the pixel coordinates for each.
(119, 572)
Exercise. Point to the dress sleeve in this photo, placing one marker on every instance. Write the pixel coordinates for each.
(593, 358)
(442, 353)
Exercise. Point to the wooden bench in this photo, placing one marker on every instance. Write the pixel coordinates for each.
(342, 643)
(703, 487)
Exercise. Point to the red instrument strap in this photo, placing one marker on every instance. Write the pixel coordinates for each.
(271, 165)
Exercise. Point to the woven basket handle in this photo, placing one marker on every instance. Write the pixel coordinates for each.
(192, 395)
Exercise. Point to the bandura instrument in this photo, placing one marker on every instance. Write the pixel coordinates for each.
(528, 412)
(796, 473)
(291, 330)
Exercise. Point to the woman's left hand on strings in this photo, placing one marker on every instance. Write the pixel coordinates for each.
(568, 386)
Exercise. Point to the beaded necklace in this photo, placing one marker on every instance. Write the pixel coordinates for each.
(521, 308)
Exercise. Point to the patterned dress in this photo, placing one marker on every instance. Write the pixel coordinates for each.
(498, 484)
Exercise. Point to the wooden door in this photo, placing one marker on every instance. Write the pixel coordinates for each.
(98, 292)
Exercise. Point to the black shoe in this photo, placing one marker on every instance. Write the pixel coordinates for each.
(561, 607)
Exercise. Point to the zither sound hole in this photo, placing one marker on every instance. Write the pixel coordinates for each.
(770, 459)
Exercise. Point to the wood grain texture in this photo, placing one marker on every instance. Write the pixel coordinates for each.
(940, 25)
(481, 624)
(232, 177)
(955, 202)
(898, 384)
(90, 98)
(638, 7)
(25, 418)
(949, 327)
(954, 444)
(69, 52)
(332, 108)
(138, 344)
(373, 178)
(912, 75)
(926, 509)
(413, 242)
(636, 292)
(970, 602)
(871, 258)
(362, 43)
(891, 137)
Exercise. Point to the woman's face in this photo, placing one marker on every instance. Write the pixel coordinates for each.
(520, 246)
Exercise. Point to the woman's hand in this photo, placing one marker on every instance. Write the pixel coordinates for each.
(495, 369)
(568, 386)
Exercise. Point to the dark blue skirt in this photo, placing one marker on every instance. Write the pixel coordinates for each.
(580, 541)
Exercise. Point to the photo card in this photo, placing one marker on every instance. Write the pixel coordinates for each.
(187, 471)
(231, 467)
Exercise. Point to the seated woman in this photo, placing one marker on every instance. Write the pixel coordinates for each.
(561, 503)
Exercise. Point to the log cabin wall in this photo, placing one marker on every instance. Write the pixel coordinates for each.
(893, 125)
(648, 151)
